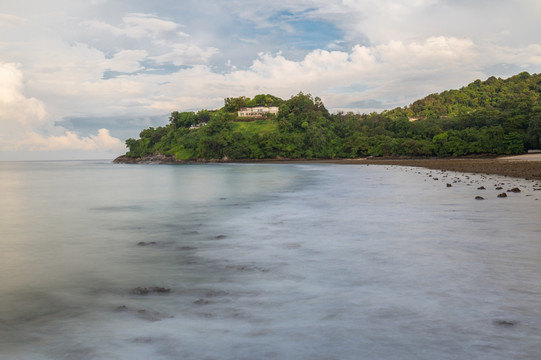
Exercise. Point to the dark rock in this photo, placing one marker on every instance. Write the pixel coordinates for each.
(121, 308)
(152, 315)
(479, 198)
(215, 293)
(150, 290)
(143, 340)
(481, 188)
(502, 195)
(123, 159)
(219, 237)
(249, 268)
(160, 290)
(515, 190)
(142, 243)
(499, 188)
(144, 314)
(449, 185)
(202, 302)
(505, 323)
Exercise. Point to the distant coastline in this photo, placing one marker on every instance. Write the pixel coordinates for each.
(521, 166)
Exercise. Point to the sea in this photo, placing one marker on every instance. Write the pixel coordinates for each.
(266, 261)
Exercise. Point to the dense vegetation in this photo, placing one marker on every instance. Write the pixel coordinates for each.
(496, 116)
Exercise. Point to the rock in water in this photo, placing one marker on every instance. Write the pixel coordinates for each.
(150, 290)
(505, 323)
(502, 195)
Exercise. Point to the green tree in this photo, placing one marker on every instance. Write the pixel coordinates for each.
(533, 134)
(203, 116)
(182, 119)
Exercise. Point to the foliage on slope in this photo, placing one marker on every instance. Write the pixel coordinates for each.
(496, 116)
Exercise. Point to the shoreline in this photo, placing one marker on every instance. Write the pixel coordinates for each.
(519, 168)
(526, 166)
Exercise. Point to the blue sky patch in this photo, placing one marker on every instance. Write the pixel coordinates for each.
(306, 33)
(149, 67)
(366, 104)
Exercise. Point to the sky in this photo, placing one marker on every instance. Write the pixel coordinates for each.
(77, 78)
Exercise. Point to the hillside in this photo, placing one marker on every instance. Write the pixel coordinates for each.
(496, 116)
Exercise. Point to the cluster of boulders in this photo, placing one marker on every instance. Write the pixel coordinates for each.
(469, 181)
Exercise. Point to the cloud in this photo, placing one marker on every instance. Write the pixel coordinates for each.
(126, 61)
(21, 117)
(380, 68)
(8, 19)
(103, 141)
(14, 105)
(139, 26)
(185, 54)
(161, 40)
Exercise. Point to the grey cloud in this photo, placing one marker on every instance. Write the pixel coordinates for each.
(370, 104)
(122, 127)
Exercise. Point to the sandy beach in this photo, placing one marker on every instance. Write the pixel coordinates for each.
(526, 166)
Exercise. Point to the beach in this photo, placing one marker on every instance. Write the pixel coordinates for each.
(527, 166)
(522, 166)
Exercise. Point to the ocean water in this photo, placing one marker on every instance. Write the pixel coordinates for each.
(263, 261)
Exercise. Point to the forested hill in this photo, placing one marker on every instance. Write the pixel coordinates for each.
(496, 116)
(517, 95)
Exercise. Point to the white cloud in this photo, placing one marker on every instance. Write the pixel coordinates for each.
(186, 54)
(146, 25)
(8, 19)
(21, 117)
(103, 141)
(139, 26)
(380, 67)
(126, 61)
(162, 39)
(14, 105)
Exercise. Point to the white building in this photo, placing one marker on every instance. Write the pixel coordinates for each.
(257, 111)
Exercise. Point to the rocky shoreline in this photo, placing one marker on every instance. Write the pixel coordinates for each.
(506, 166)
(149, 159)
(529, 170)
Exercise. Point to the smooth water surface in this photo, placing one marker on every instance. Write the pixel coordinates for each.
(265, 262)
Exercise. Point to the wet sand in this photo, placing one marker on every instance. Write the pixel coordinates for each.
(522, 166)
